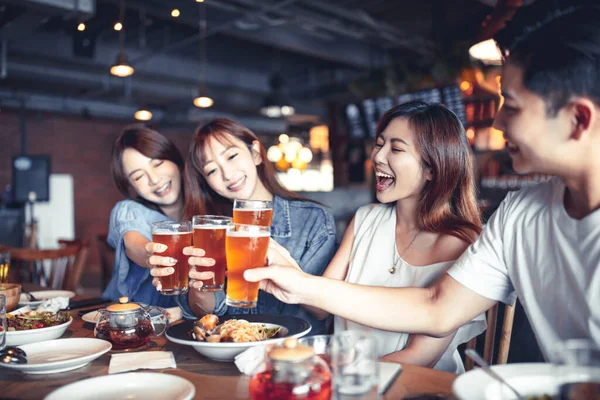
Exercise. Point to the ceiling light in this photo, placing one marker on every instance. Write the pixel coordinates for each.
(487, 52)
(199, 1)
(121, 67)
(175, 13)
(81, 27)
(143, 115)
(203, 102)
(118, 26)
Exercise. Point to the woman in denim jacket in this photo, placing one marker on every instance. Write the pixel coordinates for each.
(148, 169)
(226, 161)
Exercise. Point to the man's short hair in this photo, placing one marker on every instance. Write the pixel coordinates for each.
(557, 44)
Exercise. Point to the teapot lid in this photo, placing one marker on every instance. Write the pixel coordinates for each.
(123, 305)
(291, 351)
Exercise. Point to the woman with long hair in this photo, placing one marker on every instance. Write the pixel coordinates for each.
(147, 169)
(227, 161)
(427, 217)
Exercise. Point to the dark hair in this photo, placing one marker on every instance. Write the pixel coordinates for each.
(200, 198)
(151, 144)
(448, 202)
(557, 44)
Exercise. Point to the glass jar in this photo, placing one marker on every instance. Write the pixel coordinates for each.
(291, 372)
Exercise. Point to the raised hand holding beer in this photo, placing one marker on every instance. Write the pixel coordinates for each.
(175, 236)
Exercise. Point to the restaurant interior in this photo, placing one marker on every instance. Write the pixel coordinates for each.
(311, 78)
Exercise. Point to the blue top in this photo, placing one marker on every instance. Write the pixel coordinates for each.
(307, 231)
(128, 278)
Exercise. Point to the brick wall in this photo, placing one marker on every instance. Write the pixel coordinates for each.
(79, 147)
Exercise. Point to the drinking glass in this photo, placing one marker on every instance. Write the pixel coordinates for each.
(3, 326)
(355, 367)
(209, 235)
(176, 236)
(253, 212)
(246, 248)
(577, 369)
(4, 266)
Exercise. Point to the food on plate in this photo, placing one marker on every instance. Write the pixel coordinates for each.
(36, 320)
(208, 329)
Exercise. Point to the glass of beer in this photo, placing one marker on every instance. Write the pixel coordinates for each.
(246, 247)
(176, 236)
(253, 212)
(209, 235)
(4, 266)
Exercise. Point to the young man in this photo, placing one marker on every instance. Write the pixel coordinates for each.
(543, 243)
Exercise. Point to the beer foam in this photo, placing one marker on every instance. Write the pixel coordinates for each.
(253, 209)
(252, 233)
(211, 227)
(168, 232)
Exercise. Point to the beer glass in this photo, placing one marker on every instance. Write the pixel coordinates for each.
(4, 266)
(176, 236)
(253, 212)
(246, 247)
(209, 235)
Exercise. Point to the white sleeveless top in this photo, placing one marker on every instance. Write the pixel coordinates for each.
(373, 254)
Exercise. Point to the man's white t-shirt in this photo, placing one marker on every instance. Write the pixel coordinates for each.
(533, 250)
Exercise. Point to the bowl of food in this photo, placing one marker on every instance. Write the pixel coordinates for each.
(223, 339)
(12, 291)
(33, 326)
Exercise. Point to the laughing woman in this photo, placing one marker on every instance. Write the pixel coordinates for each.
(147, 169)
(426, 219)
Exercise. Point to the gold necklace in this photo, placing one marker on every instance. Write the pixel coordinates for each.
(393, 269)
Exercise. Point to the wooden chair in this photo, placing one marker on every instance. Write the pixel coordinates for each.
(490, 337)
(59, 268)
(107, 258)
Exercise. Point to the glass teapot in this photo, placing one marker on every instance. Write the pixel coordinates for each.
(291, 371)
(129, 325)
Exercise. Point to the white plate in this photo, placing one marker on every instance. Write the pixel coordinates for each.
(133, 385)
(18, 338)
(529, 379)
(226, 351)
(43, 295)
(52, 356)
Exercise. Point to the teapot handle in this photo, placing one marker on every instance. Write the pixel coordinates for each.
(159, 322)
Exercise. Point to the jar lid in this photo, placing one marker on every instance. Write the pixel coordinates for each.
(291, 351)
(123, 306)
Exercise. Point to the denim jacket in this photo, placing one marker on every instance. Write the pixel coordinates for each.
(128, 278)
(307, 231)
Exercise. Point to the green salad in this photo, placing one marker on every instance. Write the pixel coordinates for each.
(36, 320)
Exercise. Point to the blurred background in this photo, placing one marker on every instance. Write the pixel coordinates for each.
(310, 77)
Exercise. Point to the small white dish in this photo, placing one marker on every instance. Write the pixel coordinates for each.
(529, 379)
(43, 295)
(133, 385)
(92, 317)
(53, 356)
(18, 338)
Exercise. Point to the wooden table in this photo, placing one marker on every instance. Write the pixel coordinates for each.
(213, 380)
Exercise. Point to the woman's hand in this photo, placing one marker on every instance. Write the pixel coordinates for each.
(279, 255)
(165, 266)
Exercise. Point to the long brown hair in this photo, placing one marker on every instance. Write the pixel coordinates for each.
(200, 198)
(448, 202)
(151, 144)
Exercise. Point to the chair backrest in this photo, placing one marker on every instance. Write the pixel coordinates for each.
(107, 259)
(490, 337)
(58, 268)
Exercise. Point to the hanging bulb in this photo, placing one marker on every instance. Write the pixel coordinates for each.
(81, 27)
(203, 102)
(121, 67)
(143, 115)
(118, 26)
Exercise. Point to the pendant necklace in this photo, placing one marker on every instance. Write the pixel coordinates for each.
(399, 256)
